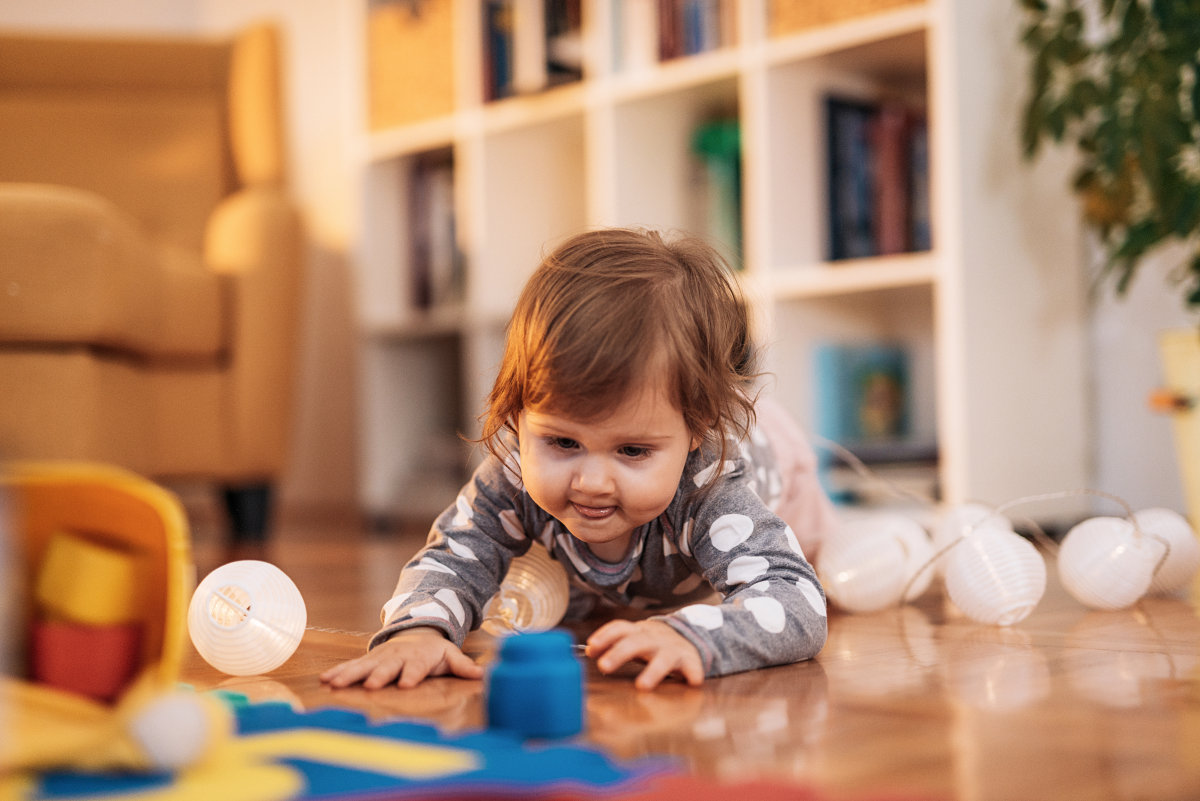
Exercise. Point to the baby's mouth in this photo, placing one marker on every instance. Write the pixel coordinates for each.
(594, 512)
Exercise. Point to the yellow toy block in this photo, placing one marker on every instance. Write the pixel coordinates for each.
(83, 581)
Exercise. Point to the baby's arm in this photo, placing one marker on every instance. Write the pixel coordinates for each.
(406, 659)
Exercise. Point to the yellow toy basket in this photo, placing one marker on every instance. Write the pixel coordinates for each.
(115, 509)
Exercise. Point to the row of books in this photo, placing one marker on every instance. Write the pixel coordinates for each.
(531, 45)
(436, 269)
(650, 31)
(878, 160)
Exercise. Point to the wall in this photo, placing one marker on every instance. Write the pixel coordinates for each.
(319, 76)
(1134, 451)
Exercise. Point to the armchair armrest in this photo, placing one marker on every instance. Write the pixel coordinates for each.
(255, 238)
(77, 271)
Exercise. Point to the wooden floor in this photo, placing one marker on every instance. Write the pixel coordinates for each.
(912, 703)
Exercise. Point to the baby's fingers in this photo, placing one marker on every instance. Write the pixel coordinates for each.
(663, 664)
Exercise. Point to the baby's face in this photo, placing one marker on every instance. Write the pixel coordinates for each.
(605, 477)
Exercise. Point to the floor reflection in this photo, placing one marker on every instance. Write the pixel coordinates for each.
(747, 724)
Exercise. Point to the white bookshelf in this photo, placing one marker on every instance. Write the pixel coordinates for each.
(992, 314)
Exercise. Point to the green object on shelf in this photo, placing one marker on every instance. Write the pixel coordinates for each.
(719, 144)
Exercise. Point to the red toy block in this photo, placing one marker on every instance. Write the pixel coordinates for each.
(96, 661)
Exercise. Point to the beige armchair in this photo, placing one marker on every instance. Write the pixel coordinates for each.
(150, 259)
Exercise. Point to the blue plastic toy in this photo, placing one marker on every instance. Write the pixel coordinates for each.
(535, 688)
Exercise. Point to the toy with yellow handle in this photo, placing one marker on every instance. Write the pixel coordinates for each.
(151, 728)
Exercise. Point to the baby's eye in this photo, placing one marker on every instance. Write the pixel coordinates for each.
(562, 443)
(634, 451)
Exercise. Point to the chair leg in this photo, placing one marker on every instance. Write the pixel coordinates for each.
(249, 509)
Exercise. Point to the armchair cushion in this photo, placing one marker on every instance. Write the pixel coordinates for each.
(77, 271)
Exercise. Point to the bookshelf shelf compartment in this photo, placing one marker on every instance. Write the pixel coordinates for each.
(960, 288)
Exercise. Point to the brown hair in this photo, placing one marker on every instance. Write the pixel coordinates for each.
(609, 307)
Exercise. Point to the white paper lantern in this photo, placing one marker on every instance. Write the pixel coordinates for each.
(1104, 564)
(867, 562)
(958, 520)
(532, 597)
(246, 618)
(995, 576)
(1183, 560)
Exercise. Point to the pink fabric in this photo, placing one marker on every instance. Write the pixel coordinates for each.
(802, 504)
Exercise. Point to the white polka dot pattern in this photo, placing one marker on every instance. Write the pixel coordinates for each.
(768, 613)
(512, 524)
(744, 569)
(450, 599)
(730, 531)
(813, 596)
(704, 616)
(463, 514)
(459, 549)
(430, 610)
(428, 563)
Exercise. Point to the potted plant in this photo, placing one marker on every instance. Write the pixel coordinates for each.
(1119, 81)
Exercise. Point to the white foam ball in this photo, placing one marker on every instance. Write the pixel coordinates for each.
(246, 618)
(1183, 559)
(174, 730)
(1105, 565)
(995, 576)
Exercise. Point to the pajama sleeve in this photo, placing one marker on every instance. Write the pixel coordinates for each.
(773, 609)
(447, 584)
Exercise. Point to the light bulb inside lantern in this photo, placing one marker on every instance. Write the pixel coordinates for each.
(246, 617)
(533, 596)
(1182, 560)
(1104, 564)
(995, 576)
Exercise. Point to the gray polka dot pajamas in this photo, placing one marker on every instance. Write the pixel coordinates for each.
(771, 609)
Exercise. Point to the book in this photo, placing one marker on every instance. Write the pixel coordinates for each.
(851, 178)
(531, 45)
(878, 173)
(863, 403)
(436, 268)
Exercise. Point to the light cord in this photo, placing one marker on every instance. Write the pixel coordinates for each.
(998, 513)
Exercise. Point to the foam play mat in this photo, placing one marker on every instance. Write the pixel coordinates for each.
(279, 753)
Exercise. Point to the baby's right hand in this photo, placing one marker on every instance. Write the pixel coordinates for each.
(406, 659)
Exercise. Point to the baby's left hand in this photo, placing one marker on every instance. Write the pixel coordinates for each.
(664, 650)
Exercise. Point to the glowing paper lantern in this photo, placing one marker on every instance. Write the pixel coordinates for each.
(867, 563)
(958, 520)
(246, 618)
(995, 576)
(1183, 559)
(1105, 565)
(532, 597)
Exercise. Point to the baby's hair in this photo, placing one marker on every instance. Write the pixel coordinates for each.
(609, 308)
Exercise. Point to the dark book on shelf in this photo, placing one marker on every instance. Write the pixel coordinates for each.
(436, 269)
(498, 46)
(878, 177)
(851, 178)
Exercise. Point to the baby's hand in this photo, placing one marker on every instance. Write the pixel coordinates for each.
(406, 659)
(664, 650)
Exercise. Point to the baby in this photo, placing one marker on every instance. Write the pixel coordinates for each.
(624, 436)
